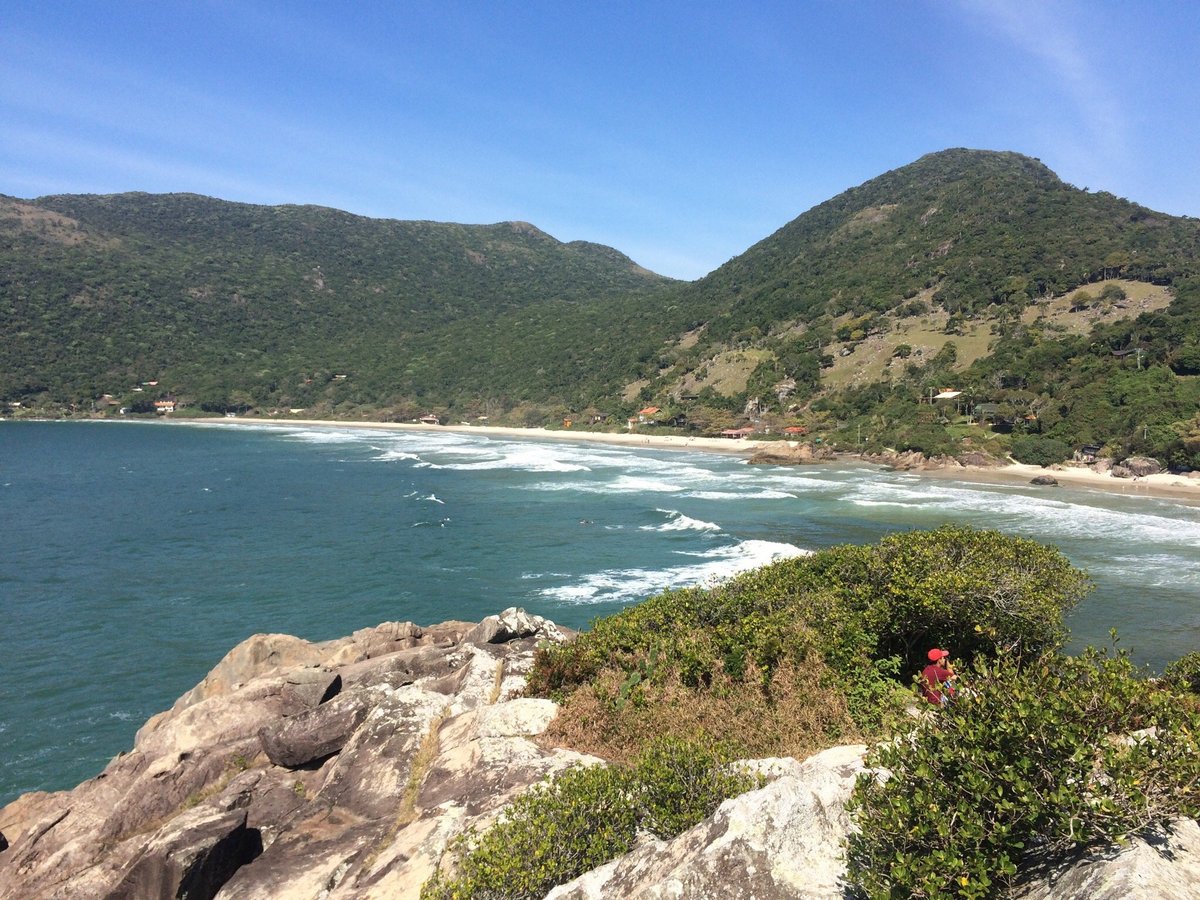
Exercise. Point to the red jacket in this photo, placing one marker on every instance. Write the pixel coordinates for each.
(934, 677)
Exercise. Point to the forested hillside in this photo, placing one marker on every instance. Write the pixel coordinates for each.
(233, 305)
(1056, 316)
(1055, 312)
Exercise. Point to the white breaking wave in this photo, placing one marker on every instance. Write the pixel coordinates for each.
(520, 457)
(1043, 517)
(329, 436)
(715, 565)
(677, 521)
(767, 494)
(389, 455)
(630, 484)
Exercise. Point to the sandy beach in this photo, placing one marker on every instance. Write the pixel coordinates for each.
(1182, 488)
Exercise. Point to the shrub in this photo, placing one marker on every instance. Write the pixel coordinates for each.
(848, 620)
(1036, 450)
(1030, 762)
(1184, 673)
(549, 835)
(678, 783)
(587, 816)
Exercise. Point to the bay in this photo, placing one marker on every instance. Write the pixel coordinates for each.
(135, 555)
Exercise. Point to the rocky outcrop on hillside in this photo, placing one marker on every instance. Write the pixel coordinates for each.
(345, 769)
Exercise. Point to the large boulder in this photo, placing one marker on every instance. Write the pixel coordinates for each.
(781, 842)
(311, 736)
(1160, 866)
(1141, 466)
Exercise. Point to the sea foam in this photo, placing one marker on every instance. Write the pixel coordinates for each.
(677, 521)
(712, 567)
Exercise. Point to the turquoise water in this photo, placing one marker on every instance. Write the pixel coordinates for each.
(135, 555)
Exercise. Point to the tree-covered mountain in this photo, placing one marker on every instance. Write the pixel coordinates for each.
(215, 300)
(1061, 316)
(975, 270)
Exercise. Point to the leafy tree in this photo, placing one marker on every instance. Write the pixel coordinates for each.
(1036, 450)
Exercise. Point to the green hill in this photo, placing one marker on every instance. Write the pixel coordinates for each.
(265, 304)
(1059, 314)
(960, 270)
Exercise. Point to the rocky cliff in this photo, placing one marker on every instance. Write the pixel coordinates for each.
(344, 770)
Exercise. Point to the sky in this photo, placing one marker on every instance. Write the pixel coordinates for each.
(680, 133)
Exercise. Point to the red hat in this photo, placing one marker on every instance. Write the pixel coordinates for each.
(935, 654)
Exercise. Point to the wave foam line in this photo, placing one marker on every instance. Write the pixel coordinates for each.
(717, 565)
(677, 521)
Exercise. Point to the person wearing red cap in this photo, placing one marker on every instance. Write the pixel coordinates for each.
(937, 678)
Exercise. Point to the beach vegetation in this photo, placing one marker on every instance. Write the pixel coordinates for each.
(1039, 450)
(1184, 673)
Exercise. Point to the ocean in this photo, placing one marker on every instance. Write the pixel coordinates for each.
(135, 555)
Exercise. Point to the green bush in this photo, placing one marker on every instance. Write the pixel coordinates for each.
(869, 612)
(1036, 450)
(1184, 673)
(1029, 762)
(549, 835)
(587, 816)
(679, 783)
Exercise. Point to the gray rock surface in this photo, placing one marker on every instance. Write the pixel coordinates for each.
(1140, 466)
(1160, 867)
(782, 841)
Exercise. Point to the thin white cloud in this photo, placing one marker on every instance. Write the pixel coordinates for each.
(1051, 35)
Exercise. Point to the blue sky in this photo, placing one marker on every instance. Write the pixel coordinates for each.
(680, 133)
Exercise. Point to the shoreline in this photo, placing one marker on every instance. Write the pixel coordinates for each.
(1180, 488)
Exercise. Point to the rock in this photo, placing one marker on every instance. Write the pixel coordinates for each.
(350, 764)
(1141, 466)
(254, 657)
(193, 856)
(311, 736)
(1044, 480)
(901, 461)
(512, 624)
(1120, 472)
(1103, 465)
(1159, 867)
(306, 689)
(784, 453)
(980, 459)
(782, 841)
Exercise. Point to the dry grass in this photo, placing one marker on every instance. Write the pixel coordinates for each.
(800, 716)
(497, 684)
(726, 373)
(1056, 312)
(872, 359)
